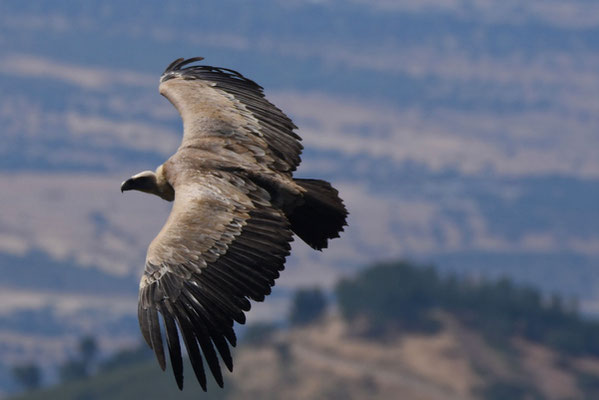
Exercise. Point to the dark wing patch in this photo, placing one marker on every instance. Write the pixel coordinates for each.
(273, 125)
(201, 299)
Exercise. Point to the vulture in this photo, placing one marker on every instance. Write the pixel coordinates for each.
(235, 208)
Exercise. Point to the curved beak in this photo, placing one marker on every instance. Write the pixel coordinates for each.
(127, 185)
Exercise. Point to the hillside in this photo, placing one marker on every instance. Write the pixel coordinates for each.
(407, 333)
(141, 380)
(326, 360)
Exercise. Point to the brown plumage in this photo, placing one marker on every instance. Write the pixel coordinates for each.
(235, 208)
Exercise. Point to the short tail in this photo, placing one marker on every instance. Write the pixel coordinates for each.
(321, 217)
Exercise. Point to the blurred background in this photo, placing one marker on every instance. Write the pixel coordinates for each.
(462, 134)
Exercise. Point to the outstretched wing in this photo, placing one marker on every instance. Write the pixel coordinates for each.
(221, 103)
(222, 245)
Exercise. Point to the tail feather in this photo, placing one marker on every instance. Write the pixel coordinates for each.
(321, 217)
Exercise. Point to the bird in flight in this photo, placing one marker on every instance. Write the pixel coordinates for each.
(235, 208)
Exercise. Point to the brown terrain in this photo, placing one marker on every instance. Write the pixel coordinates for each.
(327, 360)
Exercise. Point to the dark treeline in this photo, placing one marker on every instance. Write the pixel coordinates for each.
(400, 296)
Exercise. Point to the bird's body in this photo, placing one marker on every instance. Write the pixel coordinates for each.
(235, 208)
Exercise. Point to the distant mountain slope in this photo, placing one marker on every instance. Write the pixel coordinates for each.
(325, 360)
(139, 381)
(397, 331)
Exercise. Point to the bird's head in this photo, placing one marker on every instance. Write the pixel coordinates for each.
(144, 182)
(150, 182)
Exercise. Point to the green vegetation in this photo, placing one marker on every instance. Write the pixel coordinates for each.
(403, 296)
(29, 376)
(391, 297)
(511, 391)
(127, 357)
(307, 306)
(142, 380)
(259, 333)
(589, 385)
(83, 364)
